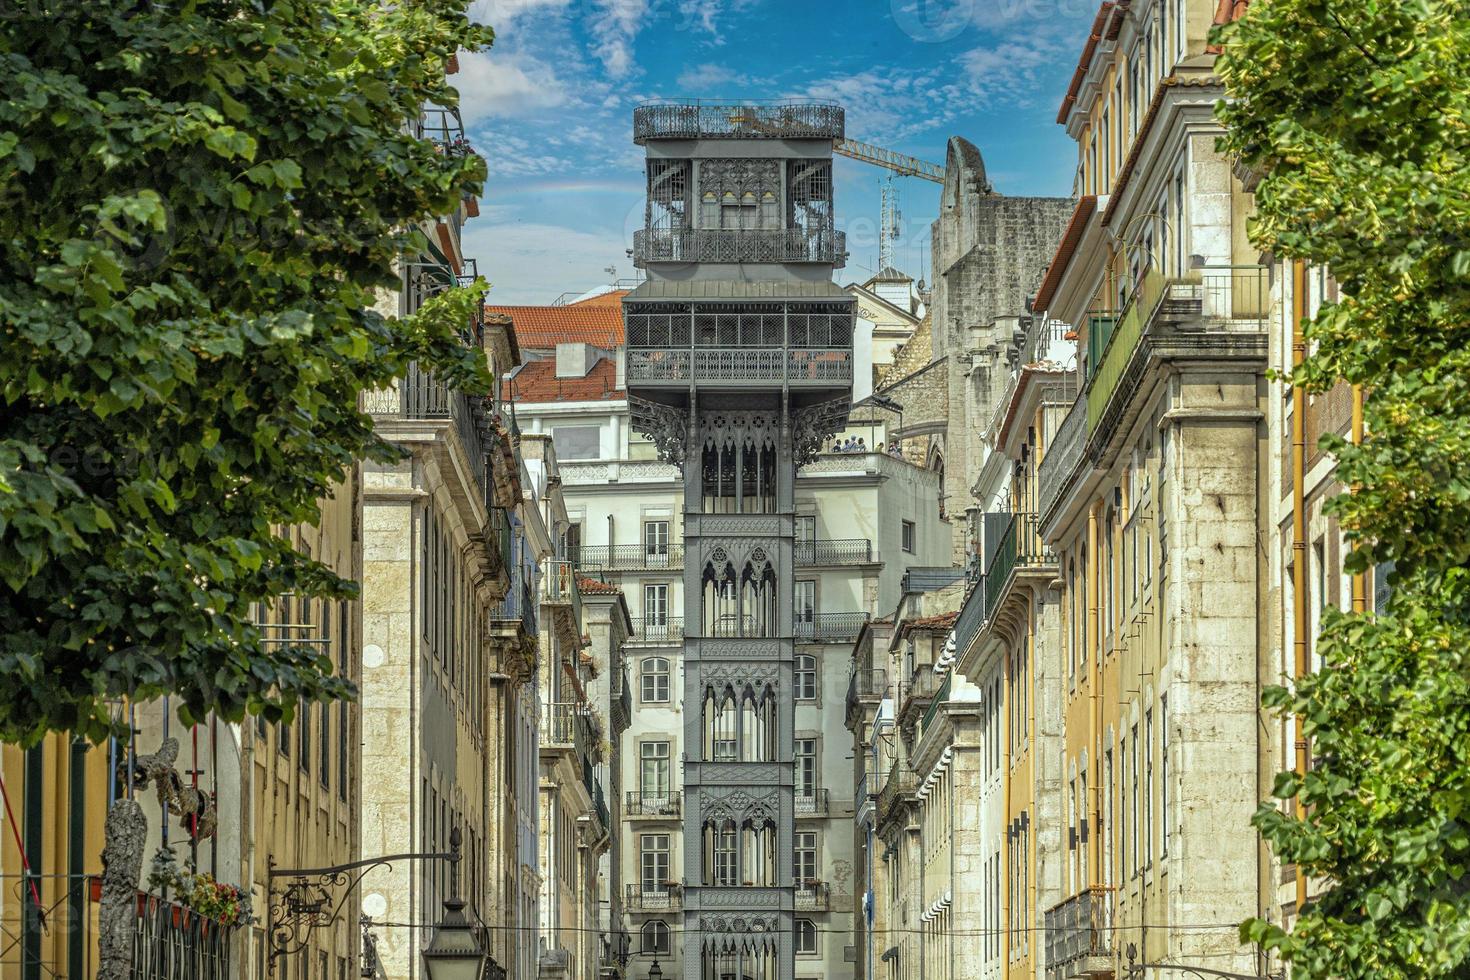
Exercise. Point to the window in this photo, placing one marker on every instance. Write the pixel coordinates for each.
(806, 767)
(806, 937)
(1164, 776)
(806, 528)
(303, 728)
(653, 861)
(907, 536)
(1148, 787)
(806, 677)
(1133, 764)
(1107, 827)
(342, 751)
(726, 750)
(577, 441)
(654, 938)
(655, 680)
(805, 868)
(726, 864)
(804, 606)
(653, 777)
(656, 611)
(656, 539)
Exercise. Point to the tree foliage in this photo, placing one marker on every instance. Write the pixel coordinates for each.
(1357, 115)
(200, 203)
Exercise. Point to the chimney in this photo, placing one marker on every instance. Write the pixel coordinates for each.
(574, 360)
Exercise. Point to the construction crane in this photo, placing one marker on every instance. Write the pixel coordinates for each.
(898, 164)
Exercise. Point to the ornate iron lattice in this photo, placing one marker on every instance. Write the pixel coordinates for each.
(666, 426)
(682, 244)
(667, 206)
(810, 120)
(814, 425)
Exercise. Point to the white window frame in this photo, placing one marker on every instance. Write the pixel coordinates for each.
(655, 672)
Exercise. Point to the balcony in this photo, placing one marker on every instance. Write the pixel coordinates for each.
(173, 941)
(734, 245)
(940, 697)
(657, 631)
(1223, 298)
(870, 683)
(1060, 462)
(561, 726)
(830, 627)
(1079, 936)
(665, 805)
(897, 789)
(812, 802)
(654, 898)
(419, 396)
(627, 557)
(517, 606)
(802, 368)
(622, 699)
(813, 896)
(833, 551)
(1020, 547)
(751, 120)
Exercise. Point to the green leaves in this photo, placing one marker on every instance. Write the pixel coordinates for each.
(1354, 113)
(200, 207)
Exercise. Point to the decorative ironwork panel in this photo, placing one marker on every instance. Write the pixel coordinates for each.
(794, 120)
(814, 425)
(719, 428)
(722, 674)
(727, 898)
(666, 426)
(717, 804)
(737, 648)
(679, 244)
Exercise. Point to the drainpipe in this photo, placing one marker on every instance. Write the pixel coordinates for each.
(1299, 528)
(1360, 579)
(1094, 711)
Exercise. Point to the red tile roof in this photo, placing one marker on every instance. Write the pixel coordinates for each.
(1083, 63)
(936, 623)
(588, 322)
(612, 298)
(592, 586)
(537, 382)
(1063, 256)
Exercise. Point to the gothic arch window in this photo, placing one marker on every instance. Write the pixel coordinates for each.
(740, 194)
(739, 727)
(654, 938)
(738, 476)
(739, 604)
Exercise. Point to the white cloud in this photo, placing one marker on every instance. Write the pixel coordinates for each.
(505, 84)
(535, 263)
(711, 80)
(1014, 71)
(500, 13)
(614, 26)
(705, 15)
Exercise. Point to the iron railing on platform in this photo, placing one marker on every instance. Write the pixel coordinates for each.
(834, 551)
(699, 120)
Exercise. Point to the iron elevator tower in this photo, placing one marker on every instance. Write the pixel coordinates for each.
(739, 366)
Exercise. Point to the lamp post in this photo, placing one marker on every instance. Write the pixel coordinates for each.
(454, 953)
(655, 972)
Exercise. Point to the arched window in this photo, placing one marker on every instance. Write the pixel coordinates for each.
(654, 938)
(806, 677)
(655, 680)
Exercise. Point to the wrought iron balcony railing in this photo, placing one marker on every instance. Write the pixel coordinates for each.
(627, 557)
(834, 551)
(830, 627)
(898, 787)
(869, 682)
(1079, 930)
(170, 940)
(800, 367)
(658, 631)
(739, 245)
(561, 725)
(813, 897)
(698, 120)
(518, 605)
(654, 898)
(637, 804)
(1219, 296)
(1020, 546)
(1062, 456)
(812, 802)
(419, 396)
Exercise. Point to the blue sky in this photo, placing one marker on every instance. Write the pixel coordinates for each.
(550, 107)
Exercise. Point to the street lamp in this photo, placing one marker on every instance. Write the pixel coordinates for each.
(655, 972)
(454, 953)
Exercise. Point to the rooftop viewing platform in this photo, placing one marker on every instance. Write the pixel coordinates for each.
(745, 120)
